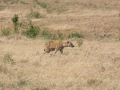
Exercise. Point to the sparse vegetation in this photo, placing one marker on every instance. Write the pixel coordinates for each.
(46, 34)
(23, 2)
(6, 31)
(75, 35)
(51, 8)
(58, 10)
(34, 14)
(60, 36)
(42, 4)
(94, 62)
(41, 88)
(12, 1)
(61, 10)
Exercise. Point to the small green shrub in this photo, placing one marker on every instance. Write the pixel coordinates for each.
(6, 31)
(32, 31)
(74, 35)
(119, 15)
(15, 20)
(8, 58)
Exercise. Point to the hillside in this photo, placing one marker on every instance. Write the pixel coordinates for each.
(92, 65)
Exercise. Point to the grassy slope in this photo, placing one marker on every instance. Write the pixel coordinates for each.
(93, 66)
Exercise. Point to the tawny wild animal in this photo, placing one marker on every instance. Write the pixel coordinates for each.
(57, 46)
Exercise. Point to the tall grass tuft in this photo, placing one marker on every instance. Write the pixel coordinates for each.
(15, 20)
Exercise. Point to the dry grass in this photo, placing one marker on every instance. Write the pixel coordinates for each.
(94, 62)
(89, 66)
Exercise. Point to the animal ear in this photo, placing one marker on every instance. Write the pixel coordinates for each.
(67, 41)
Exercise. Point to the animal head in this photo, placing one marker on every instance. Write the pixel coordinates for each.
(70, 44)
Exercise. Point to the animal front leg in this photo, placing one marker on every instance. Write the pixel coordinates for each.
(61, 50)
(56, 50)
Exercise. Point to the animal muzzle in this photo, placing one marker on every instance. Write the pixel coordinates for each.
(72, 46)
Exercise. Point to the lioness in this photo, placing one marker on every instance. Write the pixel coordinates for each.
(57, 46)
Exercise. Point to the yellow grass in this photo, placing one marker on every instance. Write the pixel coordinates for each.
(94, 65)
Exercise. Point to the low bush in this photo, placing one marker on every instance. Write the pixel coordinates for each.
(15, 21)
(32, 31)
